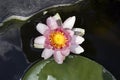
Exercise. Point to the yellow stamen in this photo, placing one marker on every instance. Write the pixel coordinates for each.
(58, 39)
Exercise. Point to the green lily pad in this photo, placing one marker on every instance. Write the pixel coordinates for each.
(73, 68)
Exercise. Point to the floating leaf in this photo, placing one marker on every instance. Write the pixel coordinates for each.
(73, 68)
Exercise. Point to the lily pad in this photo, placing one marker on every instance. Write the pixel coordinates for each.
(74, 68)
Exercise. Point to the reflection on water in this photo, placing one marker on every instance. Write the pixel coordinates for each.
(12, 60)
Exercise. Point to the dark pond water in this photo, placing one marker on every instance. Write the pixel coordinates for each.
(101, 22)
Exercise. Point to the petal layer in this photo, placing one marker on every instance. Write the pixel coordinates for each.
(65, 52)
(51, 22)
(69, 23)
(59, 57)
(77, 39)
(41, 28)
(39, 42)
(70, 32)
(76, 49)
(79, 31)
(47, 53)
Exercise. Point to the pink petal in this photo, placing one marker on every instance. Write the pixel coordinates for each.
(65, 52)
(77, 39)
(39, 42)
(69, 23)
(41, 28)
(70, 32)
(51, 22)
(76, 49)
(47, 53)
(59, 57)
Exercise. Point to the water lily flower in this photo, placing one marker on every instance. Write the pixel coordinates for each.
(59, 39)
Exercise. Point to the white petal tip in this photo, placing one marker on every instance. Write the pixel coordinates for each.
(47, 53)
(59, 62)
(38, 46)
(74, 18)
(69, 23)
(41, 28)
(39, 42)
(79, 40)
(57, 16)
(79, 31)
(77, 49)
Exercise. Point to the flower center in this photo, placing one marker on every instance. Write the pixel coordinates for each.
(58, 39)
